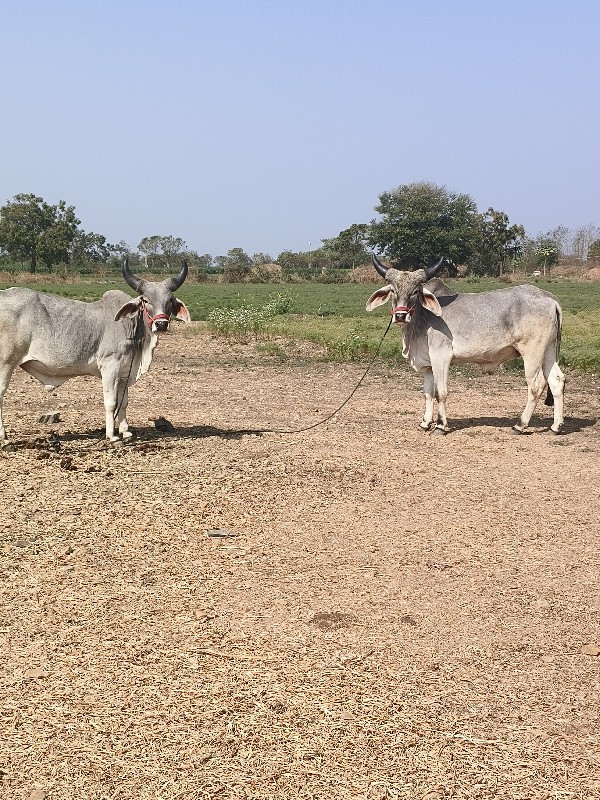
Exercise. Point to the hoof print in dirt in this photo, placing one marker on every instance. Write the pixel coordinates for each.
(51, 417)
(331, 620)
(163, 425)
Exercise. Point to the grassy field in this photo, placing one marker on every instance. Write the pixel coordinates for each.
(333, 315)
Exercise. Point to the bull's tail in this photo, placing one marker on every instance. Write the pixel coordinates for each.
(549, 401)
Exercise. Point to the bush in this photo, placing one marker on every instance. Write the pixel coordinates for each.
(247, 319)
(353, 347)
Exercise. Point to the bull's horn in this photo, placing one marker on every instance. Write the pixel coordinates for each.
(430, 272)
(378, 265)
(175, 283)
(130, 279)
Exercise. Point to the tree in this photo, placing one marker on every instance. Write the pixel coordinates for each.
(149, 247)
(160, 251)
(546, 253)
(258, 259)
(421, 222)
(89, 248)
(236, 266)
(348, 249)
(594, 251)
(497, 241)
(562, 238)
(310, 265)
(33, 230)
(171, 246)
(582, 239)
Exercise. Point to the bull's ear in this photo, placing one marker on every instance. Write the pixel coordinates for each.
(130, 309)
(430, 301)
(180, 311)
(379, 297)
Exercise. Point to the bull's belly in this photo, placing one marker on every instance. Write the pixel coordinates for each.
(55, 374)
(487, 358)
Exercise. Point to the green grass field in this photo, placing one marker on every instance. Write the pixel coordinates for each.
(333, 315)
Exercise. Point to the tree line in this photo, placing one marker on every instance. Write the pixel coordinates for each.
(417, 223)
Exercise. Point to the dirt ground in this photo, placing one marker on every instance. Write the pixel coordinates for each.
(390, 615)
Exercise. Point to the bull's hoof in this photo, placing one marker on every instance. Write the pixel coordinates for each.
(127, 435)
(558, 432)
(438, 431)
(423, 426)
(515, 430)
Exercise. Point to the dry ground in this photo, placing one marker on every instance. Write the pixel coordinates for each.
(397, 615)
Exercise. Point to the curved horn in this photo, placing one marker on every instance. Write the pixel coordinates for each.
(378, 265)
(430, 272)
(175, 283)
(130, 279)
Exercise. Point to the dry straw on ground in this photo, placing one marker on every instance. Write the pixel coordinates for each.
(392, 615)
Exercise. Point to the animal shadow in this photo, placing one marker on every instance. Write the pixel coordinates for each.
(571, 425)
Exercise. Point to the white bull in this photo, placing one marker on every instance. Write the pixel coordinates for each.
(55, 338)
(441, 327)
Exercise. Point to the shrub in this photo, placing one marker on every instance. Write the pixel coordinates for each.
(246, 319)
(352, 347)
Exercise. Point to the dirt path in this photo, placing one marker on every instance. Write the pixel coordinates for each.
(398, 615)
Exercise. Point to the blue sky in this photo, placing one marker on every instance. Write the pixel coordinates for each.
(270, 124)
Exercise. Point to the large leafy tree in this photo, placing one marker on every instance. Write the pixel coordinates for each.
(91, 248)
(159, 251)
(496, 243)
(419, 222)
(33, 230)
(236, 266)
(347, 249)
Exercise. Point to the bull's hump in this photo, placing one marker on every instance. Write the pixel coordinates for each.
(114, 295)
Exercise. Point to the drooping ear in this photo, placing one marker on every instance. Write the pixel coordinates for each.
(379, 297)
(180, 311)
(429, 301)
(130, 309)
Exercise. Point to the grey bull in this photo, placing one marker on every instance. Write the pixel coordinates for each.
(54, 338)
(441, 327)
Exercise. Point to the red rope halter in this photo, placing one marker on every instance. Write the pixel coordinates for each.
(150, 319)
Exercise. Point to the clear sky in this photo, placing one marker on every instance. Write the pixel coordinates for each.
(269, 124)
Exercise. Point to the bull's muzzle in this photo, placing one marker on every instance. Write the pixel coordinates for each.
(402, 314)
(161, 325)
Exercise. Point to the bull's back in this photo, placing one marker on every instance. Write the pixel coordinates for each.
(61, 336)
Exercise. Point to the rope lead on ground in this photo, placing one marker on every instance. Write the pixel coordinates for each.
(339, 408)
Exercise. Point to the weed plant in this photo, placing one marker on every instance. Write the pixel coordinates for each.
(247, 319)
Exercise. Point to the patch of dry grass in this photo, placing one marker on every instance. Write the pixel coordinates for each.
(396, 616)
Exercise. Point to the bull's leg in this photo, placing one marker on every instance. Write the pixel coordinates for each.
(556, 383)
(536, 383)
(123, 399)
(440, 377)
(110, 384)
(428, 392)
(5, 375)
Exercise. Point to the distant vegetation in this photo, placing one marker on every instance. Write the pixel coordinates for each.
(416, 224)
(334, 316)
